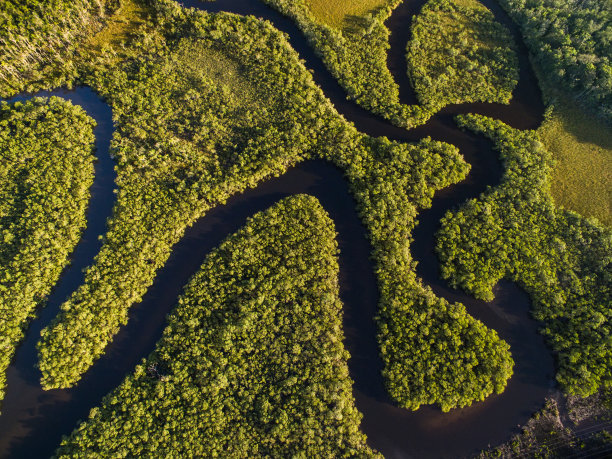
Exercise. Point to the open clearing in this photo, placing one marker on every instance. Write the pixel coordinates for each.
(335, 13)
(582, 148)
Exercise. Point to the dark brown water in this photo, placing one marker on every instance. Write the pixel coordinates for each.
(34, 420)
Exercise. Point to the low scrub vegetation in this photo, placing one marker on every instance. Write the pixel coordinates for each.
(207, 105)
(571, 42)
(39, 39)
(459, 53)
(46, 170)
(251, 363)
(119, 27)
(561, 259)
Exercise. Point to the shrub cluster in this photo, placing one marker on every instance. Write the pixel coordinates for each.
(46, 170)
(571, 41)
(459, 53)
(561, 259)
(251, 363)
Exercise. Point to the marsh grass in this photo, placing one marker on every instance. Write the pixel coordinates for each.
(582, 147)
(121, 26)
(336, 13)
(201, 61)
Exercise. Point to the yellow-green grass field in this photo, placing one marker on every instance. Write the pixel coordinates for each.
(120, 25)
(475, 4)
(582, 147)
(335, 12)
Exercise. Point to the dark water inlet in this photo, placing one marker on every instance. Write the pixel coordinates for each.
(34, 420)
(24, 398)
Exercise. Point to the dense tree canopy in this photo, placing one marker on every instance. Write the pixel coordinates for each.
(571, 41)
(561, 259)
(459, 53)
(46, 169)
(251, 363)
(191, 130)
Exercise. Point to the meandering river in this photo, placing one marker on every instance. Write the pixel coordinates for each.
(33, 420)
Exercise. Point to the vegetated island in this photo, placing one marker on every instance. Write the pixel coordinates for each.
(459, 53)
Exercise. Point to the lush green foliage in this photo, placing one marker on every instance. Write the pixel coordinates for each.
(572, 44)
(562, 260)
(38, 39)
(357, 57)
(459, 53)
(46, 169)
(211, 104)
(251, 363)
(581, 146)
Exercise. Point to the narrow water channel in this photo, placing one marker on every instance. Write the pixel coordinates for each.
(33, 420)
